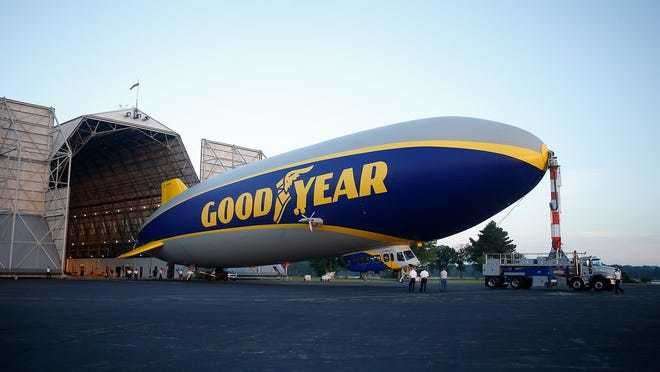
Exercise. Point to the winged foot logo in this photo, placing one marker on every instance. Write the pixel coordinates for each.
(322, 188)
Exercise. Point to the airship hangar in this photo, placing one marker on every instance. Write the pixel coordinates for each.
(82, 188)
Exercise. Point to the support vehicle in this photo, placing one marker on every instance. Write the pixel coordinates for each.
(519, 271)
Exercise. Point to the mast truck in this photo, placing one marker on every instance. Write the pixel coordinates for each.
(518, 271)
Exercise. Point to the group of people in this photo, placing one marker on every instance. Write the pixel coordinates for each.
(132, 273)
(423, 278)
(157, 273)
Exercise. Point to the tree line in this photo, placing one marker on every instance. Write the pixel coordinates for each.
(470, 256)
(491, 239)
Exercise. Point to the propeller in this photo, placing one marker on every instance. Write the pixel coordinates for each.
(311, 221)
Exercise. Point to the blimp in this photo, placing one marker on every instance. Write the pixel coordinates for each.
(390, 186)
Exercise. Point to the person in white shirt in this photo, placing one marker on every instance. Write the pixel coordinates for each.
(617, 281)
(424, 275)
(443, 279)
(413, 279)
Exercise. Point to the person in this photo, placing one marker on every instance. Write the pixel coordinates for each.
(413, 279)
(617, 281)
(48, 272)
(155, 272)
(424, 275)
(404, 273)
(443, 279)
(160, 273)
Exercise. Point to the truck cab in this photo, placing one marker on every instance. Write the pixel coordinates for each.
(590, 272)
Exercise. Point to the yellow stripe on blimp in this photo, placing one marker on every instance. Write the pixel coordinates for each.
(143, 248)
(329, 228)
(538, 159)
(286, 226)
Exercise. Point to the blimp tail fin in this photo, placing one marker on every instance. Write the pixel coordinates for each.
(171, 188)
(143, 248)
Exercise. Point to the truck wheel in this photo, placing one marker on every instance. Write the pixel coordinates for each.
(492, 282)
(577, 284)
(599, 285)
(516, 283)
(527, 284)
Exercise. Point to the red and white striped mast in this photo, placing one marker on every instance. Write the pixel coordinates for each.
(555, 184)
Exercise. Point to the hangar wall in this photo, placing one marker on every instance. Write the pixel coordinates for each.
(31, 234)
(218, 157)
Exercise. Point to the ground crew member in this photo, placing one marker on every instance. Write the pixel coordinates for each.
(617, 281)
(413, 279)
(48, 272)
(424, 275)
(443, 279)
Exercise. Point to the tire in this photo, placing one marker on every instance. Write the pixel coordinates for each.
(517, 283)
(527, 284)
(492, 282)
(577, 284)
(599, 285)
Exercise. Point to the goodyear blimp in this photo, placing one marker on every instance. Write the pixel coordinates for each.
(413, 181)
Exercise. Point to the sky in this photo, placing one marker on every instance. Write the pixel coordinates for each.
(278, 75)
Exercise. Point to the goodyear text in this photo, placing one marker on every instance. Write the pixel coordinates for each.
(305, 188)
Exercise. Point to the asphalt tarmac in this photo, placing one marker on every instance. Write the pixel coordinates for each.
(274, 325)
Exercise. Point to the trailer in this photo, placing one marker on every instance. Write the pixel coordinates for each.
(523, 271)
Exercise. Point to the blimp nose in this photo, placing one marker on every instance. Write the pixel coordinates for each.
(472, 179)
(538, 159)
(496, 179)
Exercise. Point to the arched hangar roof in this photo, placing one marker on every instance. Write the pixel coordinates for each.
(119, 160)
